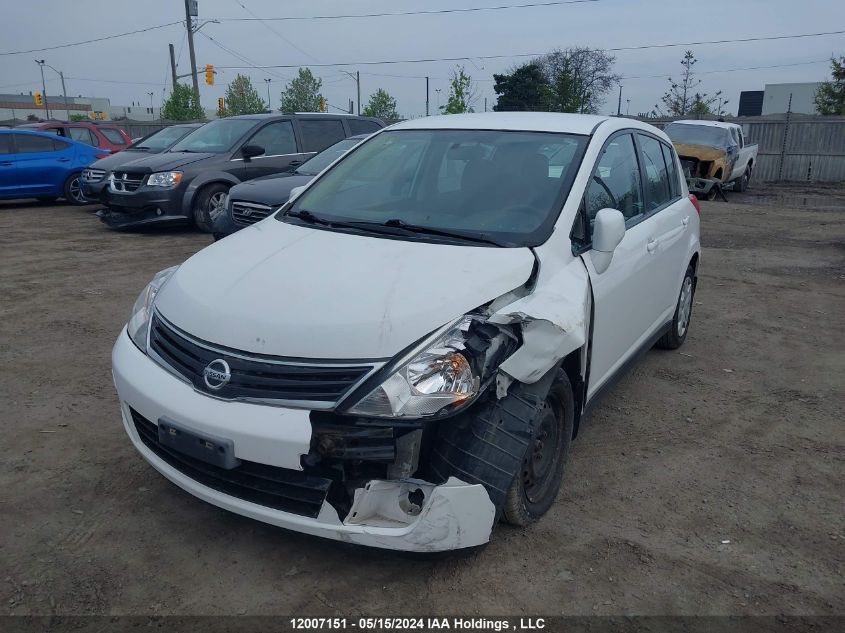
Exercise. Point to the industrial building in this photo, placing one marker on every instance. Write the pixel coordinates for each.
(778, 99)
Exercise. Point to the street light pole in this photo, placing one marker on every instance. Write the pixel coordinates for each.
(152, 107)
(189, 24)
(40, 63)
(267, 81)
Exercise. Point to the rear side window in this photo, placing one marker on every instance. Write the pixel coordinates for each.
(672, 168)
(276, 139)
(359, 126)
(33, 144)
(318, 134)
(114, 136)
(616, 182)
(82, 134)
(657, 179)
(5, 143)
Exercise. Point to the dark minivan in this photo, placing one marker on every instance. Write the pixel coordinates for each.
(186, 182)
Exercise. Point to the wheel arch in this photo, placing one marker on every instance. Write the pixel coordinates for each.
(201, 182)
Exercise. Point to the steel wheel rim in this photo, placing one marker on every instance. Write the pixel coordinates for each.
(539, 465)
(76, 191)
(684, 306)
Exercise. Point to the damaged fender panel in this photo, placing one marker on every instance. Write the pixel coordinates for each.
(554, 322)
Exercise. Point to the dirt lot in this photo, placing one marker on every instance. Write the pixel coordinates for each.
(710, 482)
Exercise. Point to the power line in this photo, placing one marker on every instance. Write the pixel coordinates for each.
(399, 13)
(97, 39)
(282, 37)
(732, 70)
(237, 55)
(613, 49)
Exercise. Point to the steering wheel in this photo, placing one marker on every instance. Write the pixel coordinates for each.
(601, 183)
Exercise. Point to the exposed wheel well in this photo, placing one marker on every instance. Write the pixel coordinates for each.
(572, 366)
(694, 263)
(718, 174)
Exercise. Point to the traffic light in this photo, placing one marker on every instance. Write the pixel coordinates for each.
(323, 104)
(221, 105)
(209, 74)
(38, 100)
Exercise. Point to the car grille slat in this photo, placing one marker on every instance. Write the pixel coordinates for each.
(322, 383)
(247, 213)
(125, 182)
(93, 175)
(271, 486)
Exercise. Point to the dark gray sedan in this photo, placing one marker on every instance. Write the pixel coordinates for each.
(254, 200)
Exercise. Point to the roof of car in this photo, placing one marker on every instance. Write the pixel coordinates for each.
(522, 121)
(49, 135)
(721, 124)
(280, 115)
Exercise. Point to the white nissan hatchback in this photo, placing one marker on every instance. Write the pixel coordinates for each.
(402, 354)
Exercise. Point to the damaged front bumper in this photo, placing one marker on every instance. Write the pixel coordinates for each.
(269, 443)
(703, 186)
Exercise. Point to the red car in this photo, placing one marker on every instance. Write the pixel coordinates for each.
(104, 135)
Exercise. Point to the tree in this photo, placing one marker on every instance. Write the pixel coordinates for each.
(580, 78)
(182, 105)
(525, 89)
(78, 117)
(381, 105)
(242, 98)
(302, 94)
(830, 96)
(682, 97)
(461, 93)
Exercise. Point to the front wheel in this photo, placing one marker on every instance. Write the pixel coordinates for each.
(206, 202)
(535, 487)
(741, 183)
(677, 334)
(73, 190)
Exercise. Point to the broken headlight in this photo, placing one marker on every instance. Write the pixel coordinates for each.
(437, 377)
(139, 322)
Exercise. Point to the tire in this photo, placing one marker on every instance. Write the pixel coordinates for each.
(73, 190)
(677, 334)
(536, 485)
(741, 183)
(205, 200)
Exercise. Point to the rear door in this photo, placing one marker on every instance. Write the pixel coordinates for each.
(8, 160)
(280, 150)
(42, 164)
(628, 297)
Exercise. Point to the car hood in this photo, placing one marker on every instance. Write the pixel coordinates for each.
(288, 290)
(701, 152)
(270, 190)
(112, 162)
(165, 161)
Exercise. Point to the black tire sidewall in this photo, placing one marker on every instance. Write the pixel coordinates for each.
(202, 217)
(66, 189)
(672, 340)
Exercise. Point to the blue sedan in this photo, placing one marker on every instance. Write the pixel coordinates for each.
(44, 166)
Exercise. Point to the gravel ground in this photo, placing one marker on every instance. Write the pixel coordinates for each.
(709, 482)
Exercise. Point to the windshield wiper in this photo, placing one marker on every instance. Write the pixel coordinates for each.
(481, 238)
(306, 216)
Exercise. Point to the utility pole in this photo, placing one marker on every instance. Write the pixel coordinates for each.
(172, 64)
(267, 81)
(426, 96)
(152, 107)
(40, 63)
(485, 104)
(189, 25)
(619, 106)
(358, 81)
(628, 107)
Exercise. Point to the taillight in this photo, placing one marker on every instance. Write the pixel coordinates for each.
(695, 203)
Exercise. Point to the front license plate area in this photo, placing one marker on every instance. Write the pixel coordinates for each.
(217, 451)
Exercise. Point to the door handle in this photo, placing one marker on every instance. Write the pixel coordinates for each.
(652, 245)
(685, 221)
(295, 163)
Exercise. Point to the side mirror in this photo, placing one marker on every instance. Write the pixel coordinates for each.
(251, 151)
(294, 193)
(608, 231)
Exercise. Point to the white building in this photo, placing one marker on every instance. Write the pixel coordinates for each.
(776, 98)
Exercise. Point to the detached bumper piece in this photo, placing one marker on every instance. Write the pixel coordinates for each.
(151, 216)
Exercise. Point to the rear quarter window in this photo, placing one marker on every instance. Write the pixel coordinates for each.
(114, 136)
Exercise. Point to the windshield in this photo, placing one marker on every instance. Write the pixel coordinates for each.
(325, 158)
(707, 135)
(162, 139)
(507, 187)
(216, 137)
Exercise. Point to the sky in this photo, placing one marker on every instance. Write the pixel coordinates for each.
(126, 69)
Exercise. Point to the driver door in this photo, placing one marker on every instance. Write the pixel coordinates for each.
(627, 296)
(280, 151)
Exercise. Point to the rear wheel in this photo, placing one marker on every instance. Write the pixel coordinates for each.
(73, 190)
(535, 487)
(677, 334)
(208, 199)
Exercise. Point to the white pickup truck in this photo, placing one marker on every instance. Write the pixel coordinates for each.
(713, 153)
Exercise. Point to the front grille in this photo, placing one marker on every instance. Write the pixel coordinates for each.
(93, 175)
(125, 182)
(688, 167)
(246, 213)
(254, 376)
(278, 488)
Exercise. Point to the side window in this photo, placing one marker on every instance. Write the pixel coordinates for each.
(358, 126)
(672, 168)
(657, 179)
(318, 134)
(60, 146)
(82, 134)
(28, 144)
(276, 138)
(616, 180)
(54, 130)
(114, 137)
(5, 143)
